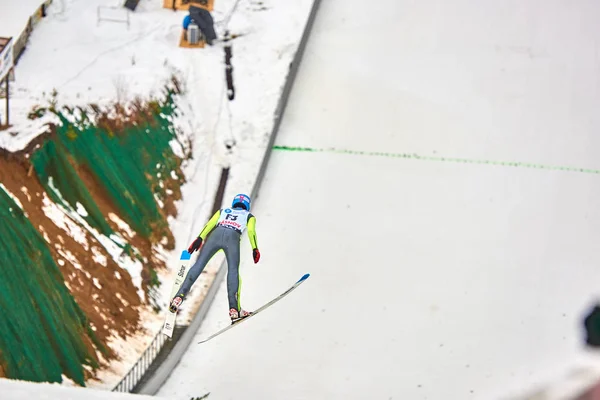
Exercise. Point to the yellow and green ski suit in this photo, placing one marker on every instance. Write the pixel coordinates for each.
(223, 232)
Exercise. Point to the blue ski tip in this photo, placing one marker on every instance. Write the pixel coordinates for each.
(185, 255)
(303, 278)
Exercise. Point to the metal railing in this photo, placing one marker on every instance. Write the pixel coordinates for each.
(139, 369)
(124, 12)
(136, 373)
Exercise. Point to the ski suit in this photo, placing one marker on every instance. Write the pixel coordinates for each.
(223, 232)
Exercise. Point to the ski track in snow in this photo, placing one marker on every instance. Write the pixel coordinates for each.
(428, 280)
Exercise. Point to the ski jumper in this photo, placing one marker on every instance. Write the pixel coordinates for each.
(223, 232)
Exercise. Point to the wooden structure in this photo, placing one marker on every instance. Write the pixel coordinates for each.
(184, 43)
(4, 42)
(185, 4)
(6, 67)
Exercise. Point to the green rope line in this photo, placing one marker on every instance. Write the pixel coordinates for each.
(439, 159)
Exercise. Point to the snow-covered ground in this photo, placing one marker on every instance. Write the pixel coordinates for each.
(84, 60)
(430, 279)
(19, 390)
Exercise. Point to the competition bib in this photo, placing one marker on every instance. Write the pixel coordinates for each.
(235, 219)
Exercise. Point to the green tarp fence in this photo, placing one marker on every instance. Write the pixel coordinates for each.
(43, 332)
(42, 329)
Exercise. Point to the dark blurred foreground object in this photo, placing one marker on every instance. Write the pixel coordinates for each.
(592, 393)
(131, 4)
(205, 22)
(592, 327)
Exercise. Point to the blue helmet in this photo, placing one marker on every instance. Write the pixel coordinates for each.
(241, 199)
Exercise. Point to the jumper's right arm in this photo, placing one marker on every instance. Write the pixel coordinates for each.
(210, 225)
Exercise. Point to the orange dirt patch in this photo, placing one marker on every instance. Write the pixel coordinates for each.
(107, 207)
(2, 373)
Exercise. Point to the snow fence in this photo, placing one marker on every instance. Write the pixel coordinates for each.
(32, 21)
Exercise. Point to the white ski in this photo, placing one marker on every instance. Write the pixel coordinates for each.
(276, 299)
(184, 266)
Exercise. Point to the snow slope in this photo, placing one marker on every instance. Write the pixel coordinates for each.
(430, 278)
(19, 390)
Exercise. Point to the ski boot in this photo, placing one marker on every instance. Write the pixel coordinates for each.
(175, 303)
(236, 315)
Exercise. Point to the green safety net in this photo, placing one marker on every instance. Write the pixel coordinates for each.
(54, 171)
(43, 332)
(42, 329)
(127, 164)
